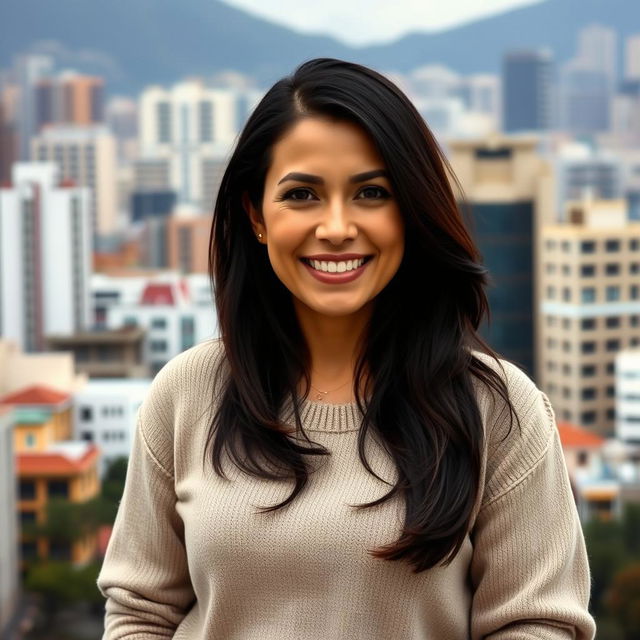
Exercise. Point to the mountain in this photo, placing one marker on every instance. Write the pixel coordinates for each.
(134, 43)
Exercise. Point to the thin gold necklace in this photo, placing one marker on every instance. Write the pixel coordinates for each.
(323, 394)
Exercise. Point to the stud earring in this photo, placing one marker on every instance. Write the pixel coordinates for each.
(260, 236)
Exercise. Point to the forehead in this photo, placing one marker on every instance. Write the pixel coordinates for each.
(324, 142)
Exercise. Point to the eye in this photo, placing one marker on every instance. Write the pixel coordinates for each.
(289, 195)
(381, 190)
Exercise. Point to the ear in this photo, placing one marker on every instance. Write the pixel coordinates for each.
(254, 217)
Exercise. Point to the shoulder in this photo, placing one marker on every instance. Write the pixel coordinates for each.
(516, 441)
(184, 386)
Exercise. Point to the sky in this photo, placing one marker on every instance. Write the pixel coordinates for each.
(364, 22)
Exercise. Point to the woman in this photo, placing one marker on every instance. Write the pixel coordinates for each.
(342, 462)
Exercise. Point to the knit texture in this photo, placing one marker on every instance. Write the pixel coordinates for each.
(191, 558)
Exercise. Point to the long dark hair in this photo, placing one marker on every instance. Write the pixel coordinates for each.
(419, 342)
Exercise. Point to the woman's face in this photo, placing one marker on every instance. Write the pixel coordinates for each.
(331, 223)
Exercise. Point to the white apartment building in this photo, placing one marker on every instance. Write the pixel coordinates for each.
(105, 413)
(85, 154)
(590, 309)
(176, 311)
(183, 129)
(45, 256)
(628, 396)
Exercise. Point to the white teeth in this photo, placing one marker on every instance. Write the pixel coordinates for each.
(336, 267)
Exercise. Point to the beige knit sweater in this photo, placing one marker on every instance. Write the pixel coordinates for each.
(190, 559)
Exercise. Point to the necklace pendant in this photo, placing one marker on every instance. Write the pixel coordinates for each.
(321, 395)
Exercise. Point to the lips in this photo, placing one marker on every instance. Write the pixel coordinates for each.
(336, 278)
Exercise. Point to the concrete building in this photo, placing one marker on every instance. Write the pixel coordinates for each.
(45, 256)
(28, 70)
(582, 171)
(528, 97)
(176, 311)
(509, 189)
(19, 370)
(70, 98)
(85, 154)
(50, 466)
(627, 427)
(184, 129)
(105, 354)
(10, 587)
(590, 309)
(105, 413)
(188, 244)
(9, 141)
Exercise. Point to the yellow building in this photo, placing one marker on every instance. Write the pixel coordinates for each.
(50, 465)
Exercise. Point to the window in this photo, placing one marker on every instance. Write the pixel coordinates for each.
(551, 293)
(587, 270)
(612, 269)
(58, 489)
(613, 345)
(633, 292)
(588, 323)
(29, 550)
(87, 436)
(588, 347)
(566, 294)
(613, 322)
(86, 414)
(611, 414)
(587, 246)
(158, 323)
(59, 550)
(611, 367)
(158, 346)
(588, 370)
(588, 294)
(588, 417)
(27, 517)
(612, 245)
(582, 459)
(588, 393)
(634, 244)
(30, 440)
(130, 321)
(613, 293)
(27, 490)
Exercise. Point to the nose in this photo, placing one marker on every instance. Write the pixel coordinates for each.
(336, 225)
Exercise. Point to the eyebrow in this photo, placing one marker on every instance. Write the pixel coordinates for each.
(358, 177)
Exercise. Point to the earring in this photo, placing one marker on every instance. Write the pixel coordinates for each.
(260, 236)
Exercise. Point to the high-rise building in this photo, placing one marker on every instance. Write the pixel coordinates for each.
(597, 50)
(582, 171)
(632, 57)
(9, 104)
(528, 91)
(29, 69)
(509, 189)
(187, 126)
(85, 154)
(45, 256)
(69, 98)
(590, 308)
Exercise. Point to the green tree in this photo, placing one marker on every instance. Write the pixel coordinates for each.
(113, 480)
(623, 601)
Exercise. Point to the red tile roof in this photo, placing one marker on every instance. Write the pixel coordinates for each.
(36, 395)
(42, 464)
(573, 436)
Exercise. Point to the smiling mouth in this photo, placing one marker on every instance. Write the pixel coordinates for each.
(332, 266)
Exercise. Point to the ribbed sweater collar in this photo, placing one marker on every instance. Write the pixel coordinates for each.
(323, 416)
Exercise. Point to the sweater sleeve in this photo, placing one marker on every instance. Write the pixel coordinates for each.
(144, 576)
(529, 570)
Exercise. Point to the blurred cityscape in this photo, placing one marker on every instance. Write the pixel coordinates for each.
(105, 211)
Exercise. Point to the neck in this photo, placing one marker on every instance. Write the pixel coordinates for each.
(333, 343)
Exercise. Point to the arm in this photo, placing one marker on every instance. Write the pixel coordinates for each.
(145, 576)
(529, 570)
